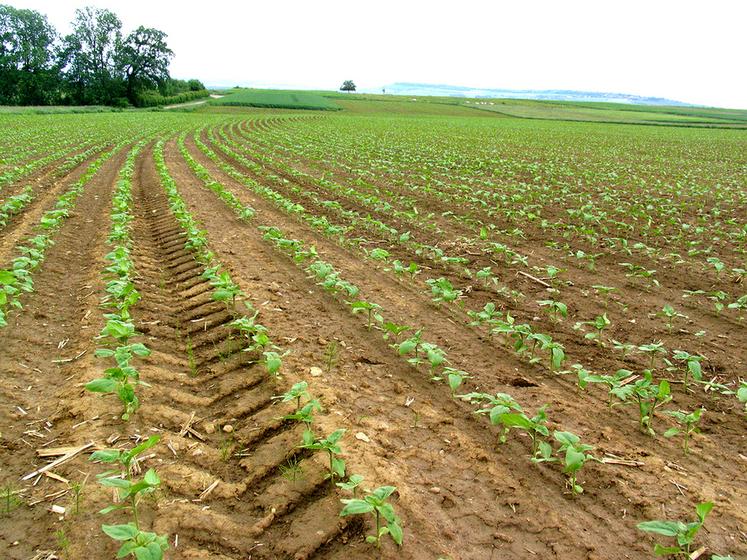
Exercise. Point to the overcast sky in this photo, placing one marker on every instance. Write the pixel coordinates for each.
(683, 50)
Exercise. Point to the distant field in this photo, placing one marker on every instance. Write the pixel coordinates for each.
(276, 100)
(613, 113)
(549, 110)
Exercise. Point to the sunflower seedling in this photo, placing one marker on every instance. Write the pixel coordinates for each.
(624, 347)
(130, 489)
(488, 315)
(376, 503)
(692, 366)
(576, 455)
(604, 291)
(454, 377)
(330, 446)
(670, 315)
(536, 426)
(683, 533)
(393, 330)
(140, 544)
(352, 484)
(653, 350)
(648, 395)
(486, 276)
(557, 309)
(305, 414)
(599, 323)
(443, 290)
(689, 425)
(370, 309)
(297, 392)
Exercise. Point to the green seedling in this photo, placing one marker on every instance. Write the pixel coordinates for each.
(557, 309)
(717, 265)
(683, 533)
(443, 291)
(689, 425)
(142, 545)
(648, 395)
(130, 490)
(616, 383)
(225, 289)
(488, 315)
(671, 314)
(370, 309)
(393, 330)
(624, 347)
(376, 504)
(123, 378)
(297, 392)
(305, 413)
(599, 323)
(330, 446)
(637, 271)
(553, 273)
(379, 254)
(497, 406)
(354, 481)
(583, 375)
(486, 276)
(433, 354)
(590, 258)
(555, 350)
(536, 426)
(692, 366)
(412, 269)
(653, 350)
(411, 345)
(273, 361)
(255, 334)
(454, 378)
(576, 456)
(604, 291)
(718, 298)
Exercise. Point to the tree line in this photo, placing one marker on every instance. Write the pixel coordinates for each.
(96, 64)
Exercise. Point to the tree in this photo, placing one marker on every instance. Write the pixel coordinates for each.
(142, 60)
(88, 56)
(27, 71)
(348, 86)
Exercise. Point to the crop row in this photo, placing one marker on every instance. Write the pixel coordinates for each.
(18, 279)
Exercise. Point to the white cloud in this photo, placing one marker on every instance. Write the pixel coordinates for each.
(689, 51)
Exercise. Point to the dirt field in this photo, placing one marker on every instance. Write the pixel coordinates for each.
(236, 484)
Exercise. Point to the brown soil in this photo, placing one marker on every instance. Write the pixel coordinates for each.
(460, 494)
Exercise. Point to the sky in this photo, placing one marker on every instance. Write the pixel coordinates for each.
(691, 51)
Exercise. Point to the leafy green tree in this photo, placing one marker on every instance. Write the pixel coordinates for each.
(347, 85)
(142, 60)
(28, 74)
(89, 53)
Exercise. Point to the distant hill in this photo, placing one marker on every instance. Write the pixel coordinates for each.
(414, 89)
